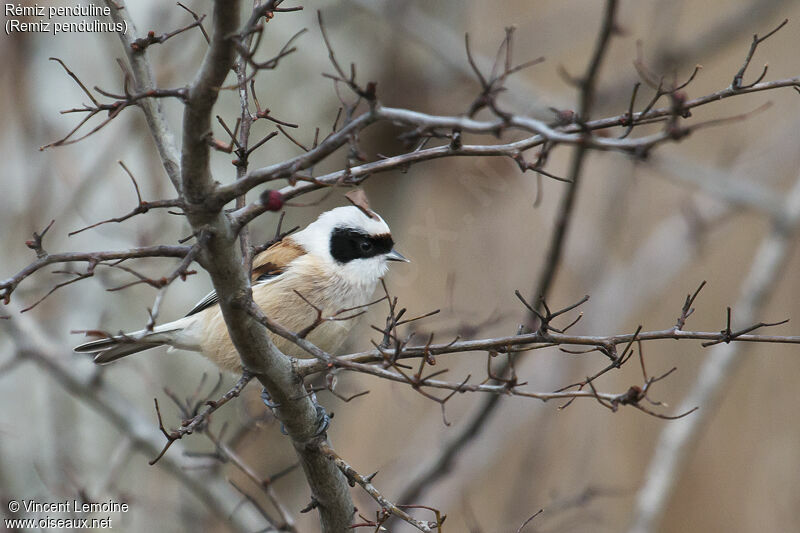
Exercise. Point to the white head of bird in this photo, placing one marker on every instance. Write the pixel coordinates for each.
(355, 246)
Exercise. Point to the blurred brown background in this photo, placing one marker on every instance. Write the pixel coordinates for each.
(645, 234)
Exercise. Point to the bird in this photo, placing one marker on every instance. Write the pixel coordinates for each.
(334, 264)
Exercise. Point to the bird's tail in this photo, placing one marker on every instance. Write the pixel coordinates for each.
(112, 348)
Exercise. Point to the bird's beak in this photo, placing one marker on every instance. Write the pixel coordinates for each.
(394, 255)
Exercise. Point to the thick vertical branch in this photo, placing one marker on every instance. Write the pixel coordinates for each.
(203, 93)
(587, 91)
(221, 258)
(241, 166)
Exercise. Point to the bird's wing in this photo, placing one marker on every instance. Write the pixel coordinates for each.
(274, 260)
(267, 265)
(210, 299)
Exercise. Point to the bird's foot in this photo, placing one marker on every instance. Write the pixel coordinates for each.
(323, 419)
(267, 399)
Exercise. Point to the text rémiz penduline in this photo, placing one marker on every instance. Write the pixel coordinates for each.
(56, 19)
(19, 10)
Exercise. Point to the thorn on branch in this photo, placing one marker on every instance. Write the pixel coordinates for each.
(727, 335)
(313, 504)
(687, 309)
(627, 118)
(537, 167)
(265, 113)
(292, 139)
(231, 134)
(35, 244)
(260, 143)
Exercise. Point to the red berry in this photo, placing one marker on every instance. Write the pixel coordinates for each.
(272, 200)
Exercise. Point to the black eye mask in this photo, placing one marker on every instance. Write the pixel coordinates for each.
(348, 244)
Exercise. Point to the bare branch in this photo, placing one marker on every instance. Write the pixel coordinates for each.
(113, 109)
(737, 79)
(140, 44)
(141, 207)
(105, 399)
(197, 19)
(528, 521)
(199, 420)
(7, 286)
(676, 441)
(540, 340)
(542, 134)
(366, 483)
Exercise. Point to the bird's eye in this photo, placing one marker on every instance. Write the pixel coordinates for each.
(366, 246)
